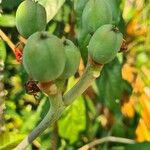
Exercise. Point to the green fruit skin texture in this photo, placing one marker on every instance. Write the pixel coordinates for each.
(78, 7)
(105, 44)
(44, 56)
(73, 57)
(30, 18)
(116, 12)
(95, 14)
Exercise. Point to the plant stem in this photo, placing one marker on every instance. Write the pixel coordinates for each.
(54, 139)
(2, 97)
(7, 40)
(59, 103)
(91, 73)
(107, 139)
(55, 111)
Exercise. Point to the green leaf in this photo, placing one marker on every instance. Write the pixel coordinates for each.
(7, 20)
(34, 118)
(2, 50)
(73, 120)
(90, 106)
(79, 6)
(118, 128)
(118, 148)
(139, 146)
(52, 7)
(10, 4)
(109, 85)
(9, 140)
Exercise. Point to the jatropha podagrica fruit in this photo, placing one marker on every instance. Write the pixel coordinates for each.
(95, 14)
(105, 44)
(44, 56)
(116, 12)
(30, 18)
(73, 56)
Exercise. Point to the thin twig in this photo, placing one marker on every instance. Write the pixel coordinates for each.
(107, 139)
(7, 40)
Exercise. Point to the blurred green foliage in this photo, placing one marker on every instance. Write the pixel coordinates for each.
(95, 114)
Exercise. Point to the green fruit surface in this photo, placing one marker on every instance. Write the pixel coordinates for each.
(44, 56)
(116, 12)
(30, 18)
(79, 6)
(95, 14)
(105, 44)
(73, 57)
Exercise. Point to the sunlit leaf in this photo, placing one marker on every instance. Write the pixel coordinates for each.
(9, 140)
(73, 120)
(52, 7)
(34, 117)
(7, 20)
(2, 51)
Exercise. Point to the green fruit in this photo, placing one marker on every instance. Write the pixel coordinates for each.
(105, 44)
(116, 12)
(73, 56)
(95, 14)
(30, 18)
(44, 56)
(83, 41)
(78, 7)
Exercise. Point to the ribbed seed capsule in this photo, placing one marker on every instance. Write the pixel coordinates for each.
(44, 56)
(95, 14)
(73, 57)
(30, 18)
(105, 44)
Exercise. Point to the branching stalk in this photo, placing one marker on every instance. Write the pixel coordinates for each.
(7, 40)
(91, 73)
(59, 103)
(56, 109)
(107, 139)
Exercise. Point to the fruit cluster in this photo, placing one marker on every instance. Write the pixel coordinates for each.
(46, 57)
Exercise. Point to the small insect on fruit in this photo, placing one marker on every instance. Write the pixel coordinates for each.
(32, 88)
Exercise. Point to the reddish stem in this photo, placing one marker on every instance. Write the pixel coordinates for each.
(17, 52)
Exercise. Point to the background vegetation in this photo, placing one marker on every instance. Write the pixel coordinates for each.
(117, 104)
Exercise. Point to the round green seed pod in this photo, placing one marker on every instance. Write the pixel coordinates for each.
(44, 56)
(30, 18)
(105, 44)
(95, 14)
(116, 12)
(73, 56)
